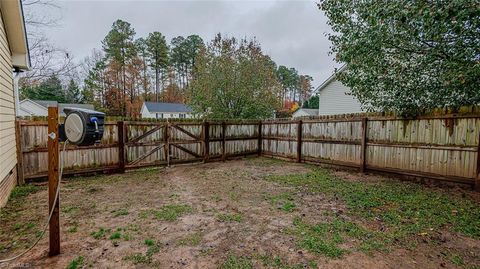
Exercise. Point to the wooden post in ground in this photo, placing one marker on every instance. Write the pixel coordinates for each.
(167, 143)
(18, 137)
(224, 139)
(259, 138)
(121, 146)
(206, 141)
(363, 145)
(477, 178)
(299, 141)
(53, 177)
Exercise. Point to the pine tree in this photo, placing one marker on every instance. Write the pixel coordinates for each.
(119, 47)
(142, 50)
(51, 89)
(73, 93)
(158, 58)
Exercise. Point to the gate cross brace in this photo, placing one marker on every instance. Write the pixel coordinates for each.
(147, 154)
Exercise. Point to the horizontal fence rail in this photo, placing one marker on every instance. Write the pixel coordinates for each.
(432, 147)
(444, 148)
(135, 144)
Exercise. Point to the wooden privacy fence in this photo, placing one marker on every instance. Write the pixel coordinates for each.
(442, 147)
(134, 144)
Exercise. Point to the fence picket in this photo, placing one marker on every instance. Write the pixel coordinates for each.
(445, 148)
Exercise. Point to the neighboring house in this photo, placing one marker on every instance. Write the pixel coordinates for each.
(40, 107)
(165, 111)
(305, 112)
(14, 56)
(334, 97)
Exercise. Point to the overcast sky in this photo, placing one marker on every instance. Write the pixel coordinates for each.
(291, 32)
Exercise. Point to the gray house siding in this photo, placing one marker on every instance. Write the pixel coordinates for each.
(334, 100)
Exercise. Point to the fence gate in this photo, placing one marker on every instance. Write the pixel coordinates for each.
(185, 142)
(147, 144)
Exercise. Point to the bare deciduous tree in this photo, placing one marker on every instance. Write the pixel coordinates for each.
(46, 59)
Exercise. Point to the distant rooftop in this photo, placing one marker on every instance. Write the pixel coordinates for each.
(310, 111)
(61, 106)
(167, 107)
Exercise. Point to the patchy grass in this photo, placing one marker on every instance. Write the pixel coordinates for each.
(264, 162)
(216, 198)
(115, 235)
(190, 240)
(139, 258)
(73, 229)
(406, 208)
(313, 217)
(120, 233)
(23, 226)
(70, 209)
(76, 263)
(234, 195)
(23, 191)
(100, 234)
(23, 229)
(173, 195)
(230, 217)
(325, 238)
(149, 242)
(234, 262)
(283, 201)
(120, 212)
(93, 190)
(457, 260)
(277, 262)
(168, 212)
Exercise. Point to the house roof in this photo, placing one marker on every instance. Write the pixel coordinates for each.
(14, 23)
(61, 106)
(167, 107)
(309, 111)
(330, 79)
(45, 103)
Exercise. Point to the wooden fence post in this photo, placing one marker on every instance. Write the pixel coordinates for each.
(121, 146)
(53, 155)
(363, 145)
(206, 141)
(260, 138)
(477, 178)
(224, 128)
(167, 144)
(299, 141)
(18, 137)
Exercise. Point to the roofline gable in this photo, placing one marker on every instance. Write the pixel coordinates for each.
(330, 79)
(16, 34)
(33, 102)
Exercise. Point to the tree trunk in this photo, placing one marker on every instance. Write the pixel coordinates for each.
(157, 85)
(124, 105)
(145, 83)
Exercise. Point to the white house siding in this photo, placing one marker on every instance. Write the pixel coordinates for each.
(146, 114)
(166, 115)
(334, 100)
(8, 156)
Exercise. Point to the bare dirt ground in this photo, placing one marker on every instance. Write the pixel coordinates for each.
(205, 216)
